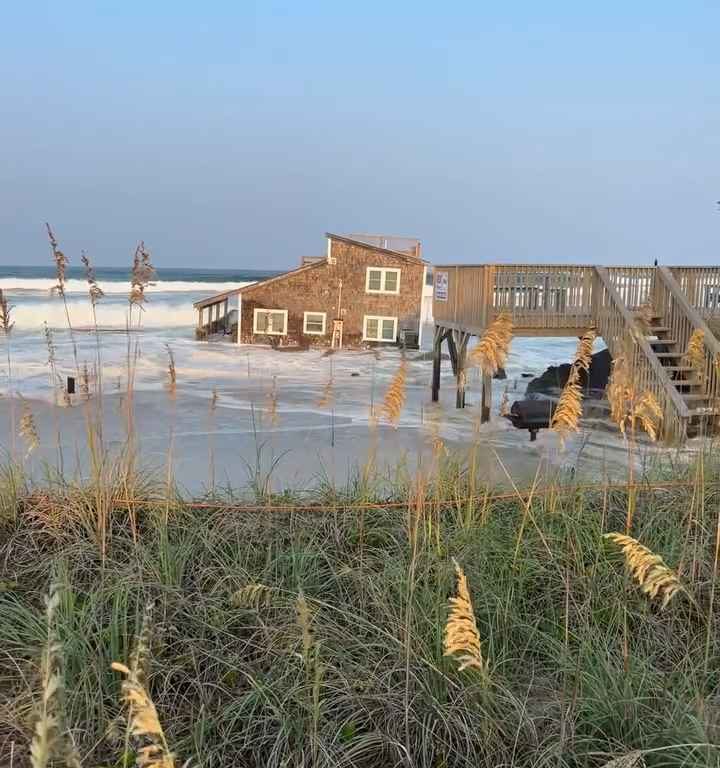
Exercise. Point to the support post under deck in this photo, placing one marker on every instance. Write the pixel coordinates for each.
(486, 401)
(459, 345)
(437, 358)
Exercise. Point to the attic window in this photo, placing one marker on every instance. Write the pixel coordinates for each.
(382, 280)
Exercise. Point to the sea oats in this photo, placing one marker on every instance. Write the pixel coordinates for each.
(395, 395)
(253, 595)
(28, 430)
(94, 290)
(491, 352)
(462, 639)
(695, 353)
(142, 276)
(653, 576)
(144, 725)
(566, 418)
(6, 322)
(61, 263)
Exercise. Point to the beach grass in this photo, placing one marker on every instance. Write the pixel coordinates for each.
(289, 636)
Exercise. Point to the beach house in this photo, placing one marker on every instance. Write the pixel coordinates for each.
(366, 290)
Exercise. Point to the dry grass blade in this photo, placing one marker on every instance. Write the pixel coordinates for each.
(144, 725)
(395, 396)
(251, 596)
(619, 391)
(491, 352)
(695, 353)
(214, 399)
(143, 273)
(94, 290)
(653, 576)
(6, 308)
(462, 639)
(28, 430)
(583, 356)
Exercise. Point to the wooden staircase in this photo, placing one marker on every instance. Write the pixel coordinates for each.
(567, 299)
(683, 377)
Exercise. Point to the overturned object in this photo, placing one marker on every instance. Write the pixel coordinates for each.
(532, 415)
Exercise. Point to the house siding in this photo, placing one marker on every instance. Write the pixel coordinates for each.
(316, 289)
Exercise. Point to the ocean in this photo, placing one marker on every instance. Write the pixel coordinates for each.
(168, 319)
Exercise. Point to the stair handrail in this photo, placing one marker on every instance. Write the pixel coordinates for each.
(639, 338)
(710, 342)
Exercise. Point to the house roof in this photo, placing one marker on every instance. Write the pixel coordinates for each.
(219, 297)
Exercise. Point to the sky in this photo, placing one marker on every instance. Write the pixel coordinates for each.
(235, 134)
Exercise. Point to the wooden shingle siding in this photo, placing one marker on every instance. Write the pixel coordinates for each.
(316, 288)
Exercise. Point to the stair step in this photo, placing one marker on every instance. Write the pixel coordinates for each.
(652, 342)
(679, 368)
(695, 397)
(659, 329)
(669, 354)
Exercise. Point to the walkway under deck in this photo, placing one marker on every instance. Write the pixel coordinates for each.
(566, 300)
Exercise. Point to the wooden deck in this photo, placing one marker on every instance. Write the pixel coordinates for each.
(567, 299)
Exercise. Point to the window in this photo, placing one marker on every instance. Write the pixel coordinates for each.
(272, 322)
(379, 328)
(382, 280)
(314, 322)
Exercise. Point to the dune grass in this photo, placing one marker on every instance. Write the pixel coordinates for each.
(319, 639)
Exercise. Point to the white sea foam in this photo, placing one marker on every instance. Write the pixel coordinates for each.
(41, 285)
(157, 314)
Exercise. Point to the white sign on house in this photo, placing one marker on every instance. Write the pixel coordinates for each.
(441, 286)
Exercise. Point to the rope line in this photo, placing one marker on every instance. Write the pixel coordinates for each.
(523, 495)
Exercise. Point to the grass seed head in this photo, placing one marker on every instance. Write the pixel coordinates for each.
(28, 430)
(462, 639)
(252, 596)
(695, 352)
(653, 576)
(396, 394)
(6, 322)
(172, 371)
(491, 352)
(142, 275)
(94, 290)
(61, 262)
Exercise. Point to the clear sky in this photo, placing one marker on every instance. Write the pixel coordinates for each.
(234, 134)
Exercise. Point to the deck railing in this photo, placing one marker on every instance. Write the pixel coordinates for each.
(409, 245)
(618, 327)
(634, 285)
(540, 297)
(701, 286)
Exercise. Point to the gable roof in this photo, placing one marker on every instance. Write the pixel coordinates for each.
(219, 297)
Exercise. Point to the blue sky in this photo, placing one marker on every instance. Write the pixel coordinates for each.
(234, 134)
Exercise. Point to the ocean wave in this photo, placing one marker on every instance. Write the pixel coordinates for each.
(39, 285)
(156, 314)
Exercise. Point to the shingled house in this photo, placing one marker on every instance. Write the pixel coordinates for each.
(366, 290)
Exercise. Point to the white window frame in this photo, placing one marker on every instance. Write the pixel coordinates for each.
(383, 271)
(257, 310)
(324, 323)
(380, 322)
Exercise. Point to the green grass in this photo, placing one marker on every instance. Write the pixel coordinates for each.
(554, 605)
